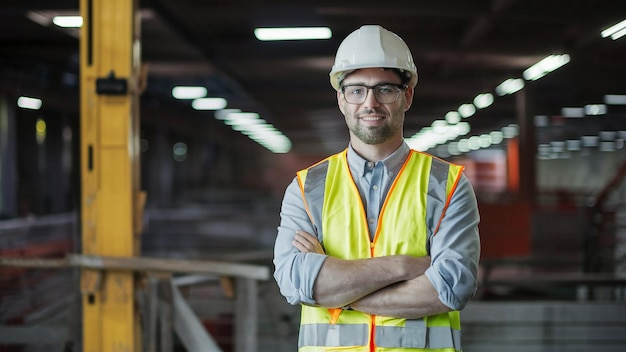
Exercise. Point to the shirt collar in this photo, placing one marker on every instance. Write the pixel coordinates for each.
(392, 163)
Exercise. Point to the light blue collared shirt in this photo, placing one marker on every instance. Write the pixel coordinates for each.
(454, 251)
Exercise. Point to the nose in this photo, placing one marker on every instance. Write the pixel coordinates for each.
(370, 98)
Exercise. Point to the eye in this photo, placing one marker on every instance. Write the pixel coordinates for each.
(385, 89)
(355, 90)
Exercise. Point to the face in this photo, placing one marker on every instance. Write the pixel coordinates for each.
(372, 122)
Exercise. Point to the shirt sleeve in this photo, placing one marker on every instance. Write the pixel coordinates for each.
(295, 272)
(455, 249)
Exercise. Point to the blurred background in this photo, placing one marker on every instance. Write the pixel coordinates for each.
(530, 96)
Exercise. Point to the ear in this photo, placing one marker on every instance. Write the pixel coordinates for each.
(408, 95)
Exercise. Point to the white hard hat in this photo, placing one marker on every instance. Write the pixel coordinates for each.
(372, 46)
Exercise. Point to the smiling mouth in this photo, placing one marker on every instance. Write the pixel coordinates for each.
(372, 118)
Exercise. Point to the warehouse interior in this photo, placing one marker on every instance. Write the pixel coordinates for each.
(530, 96)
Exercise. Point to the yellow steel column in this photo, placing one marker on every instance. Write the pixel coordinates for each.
(111, 201)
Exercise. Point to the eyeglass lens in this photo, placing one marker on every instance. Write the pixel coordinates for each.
(384, 93)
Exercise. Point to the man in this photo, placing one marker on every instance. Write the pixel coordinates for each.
(379, 243)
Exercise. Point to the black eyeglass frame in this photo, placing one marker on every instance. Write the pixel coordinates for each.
(400, 86)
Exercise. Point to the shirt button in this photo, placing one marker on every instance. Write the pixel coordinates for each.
(375, 187)
(372, 221)
(370, 165)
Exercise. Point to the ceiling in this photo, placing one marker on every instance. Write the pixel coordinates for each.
(461, 48)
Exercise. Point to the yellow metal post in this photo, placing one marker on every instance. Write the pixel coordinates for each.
(111, 201)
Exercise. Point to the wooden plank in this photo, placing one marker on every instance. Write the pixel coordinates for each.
(246, 315)
(188, 327)
(257, 272)
(166, 265)
(166, 315)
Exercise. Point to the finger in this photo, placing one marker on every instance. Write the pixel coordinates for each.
(300, 247)
(307, 236)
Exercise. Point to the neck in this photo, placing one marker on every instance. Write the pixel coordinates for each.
(375, 152)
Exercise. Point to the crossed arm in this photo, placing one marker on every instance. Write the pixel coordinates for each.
(390, 286)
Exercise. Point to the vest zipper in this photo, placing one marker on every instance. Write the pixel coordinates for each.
(373, 334)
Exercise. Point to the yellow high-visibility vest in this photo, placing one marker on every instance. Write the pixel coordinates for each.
(334, 205)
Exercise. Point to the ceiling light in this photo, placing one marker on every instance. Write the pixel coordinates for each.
(573, 145)
(222, 114)
(496, 137)
(189, 92)
(453, 117)
(595, 109)
(68, 21)
(616, 31)
(589, 141)
(483, 100)
(209, 103)
(573, 112)
(297, 33)
(510, 86)
(439, 126)
(29, 103)
(614, 99)
(510, 131)
(467, 110)
(545, 66)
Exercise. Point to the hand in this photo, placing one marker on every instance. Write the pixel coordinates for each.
(307, 243)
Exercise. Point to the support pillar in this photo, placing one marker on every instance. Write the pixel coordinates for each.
(111, 203)
(527, 148)
(8, 161)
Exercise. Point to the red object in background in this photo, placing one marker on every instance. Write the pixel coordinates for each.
(505, 230)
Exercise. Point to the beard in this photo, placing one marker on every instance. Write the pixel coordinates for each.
(374, 134)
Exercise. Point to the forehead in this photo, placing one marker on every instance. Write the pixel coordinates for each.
(371, 76)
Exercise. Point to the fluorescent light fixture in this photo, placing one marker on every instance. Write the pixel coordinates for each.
(29, 103)
(573, 112)
(453, 117)
(589, 141)
(595, 109)
(616, 31)
(510, 131)
(296, 33)
(222, 114)
(615, 99)
(68, 21)
(474, 143)
(483, 100)
(467, 110)
(573, 145)
(545, 66)
(607, 146)
(439, 126)
(188, 92)
(485, 141)
(496, 137)
(209, 103)
(510, 86)
(257, 129)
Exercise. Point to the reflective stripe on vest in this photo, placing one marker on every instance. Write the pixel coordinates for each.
(334, 206)
(414, 335)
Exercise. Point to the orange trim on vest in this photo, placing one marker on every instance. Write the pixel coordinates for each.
(449, 198)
